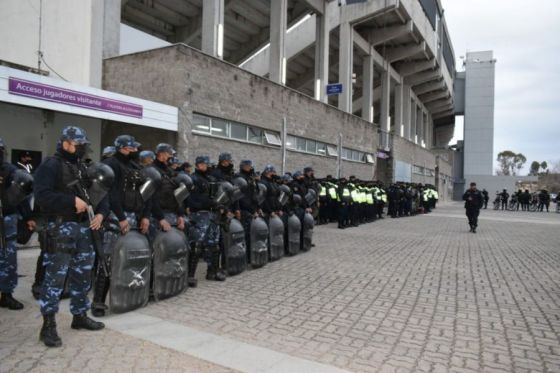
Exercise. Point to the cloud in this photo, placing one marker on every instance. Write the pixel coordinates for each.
(525, 38)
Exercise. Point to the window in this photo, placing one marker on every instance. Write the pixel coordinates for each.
(357, 156)
(272, 138)
(201, 123)
(418, 170)
(238, 131)
(311, 146)
(255, 135)
(370, 158)
(219, 127)
(332, 151)
(290, 142)
(321, 148)
(300, 144)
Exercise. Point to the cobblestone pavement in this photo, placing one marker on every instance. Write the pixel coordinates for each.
(398, 295)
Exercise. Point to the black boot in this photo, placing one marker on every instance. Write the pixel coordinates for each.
(82, 321)
(193, 264)
(48, 335)
(214, 273)
(39, 274)
(8, 301)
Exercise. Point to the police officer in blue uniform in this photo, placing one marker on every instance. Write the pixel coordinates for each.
(70, 249)
(8, 251)
(205, 230)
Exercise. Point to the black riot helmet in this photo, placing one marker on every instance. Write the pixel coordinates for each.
(284, 194)
(100, 177)
(239, 186)
(20, 187)
(297, 199)
(151, 183)
(185, 185)
(261, 194)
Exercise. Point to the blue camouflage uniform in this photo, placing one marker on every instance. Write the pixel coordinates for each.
(8, 258)
(70, 248)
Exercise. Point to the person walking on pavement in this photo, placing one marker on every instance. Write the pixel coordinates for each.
(473, 203)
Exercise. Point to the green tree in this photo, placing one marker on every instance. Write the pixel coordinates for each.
(510, 162)
(534, 170)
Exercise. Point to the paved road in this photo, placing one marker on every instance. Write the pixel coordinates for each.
(405, 295)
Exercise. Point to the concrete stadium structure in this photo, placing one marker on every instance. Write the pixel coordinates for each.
(251, 76)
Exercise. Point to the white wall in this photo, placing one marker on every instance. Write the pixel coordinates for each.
(35, 129)
(72, 37)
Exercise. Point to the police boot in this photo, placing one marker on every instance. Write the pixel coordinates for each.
(48, 334)
(8, 301)
(214, 273)
(82, 321)
(193, 263)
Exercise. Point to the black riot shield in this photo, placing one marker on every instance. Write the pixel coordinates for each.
(130, 274)
(293, 230)
(307, 225)
(170, 263)
(276, 237)
(259, 242)
(235, 248)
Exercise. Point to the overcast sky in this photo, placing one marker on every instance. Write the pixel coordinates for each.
(525, 38)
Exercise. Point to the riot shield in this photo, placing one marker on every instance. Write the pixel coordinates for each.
(130, 273)
(294, 230)
(308, 224)
(276, 238)
(259, 242)
(170, 260)
(235, 248)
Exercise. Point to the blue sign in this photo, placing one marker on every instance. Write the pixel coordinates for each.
(334, 89)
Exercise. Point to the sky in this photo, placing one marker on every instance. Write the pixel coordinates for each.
(525, 38)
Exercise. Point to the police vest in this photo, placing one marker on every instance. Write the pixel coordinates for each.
(167, 200)
(369, 198)
(323, 191)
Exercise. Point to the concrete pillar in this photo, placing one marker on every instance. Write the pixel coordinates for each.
(385, 101)
(111, 28)
(213, 27)
(367, 89)
(406, 112)
(398, 123)
(425, 134)
(420, 125)
(96, 44)
(345, 65)
(413, 112)
(278, 25)
(322, 43)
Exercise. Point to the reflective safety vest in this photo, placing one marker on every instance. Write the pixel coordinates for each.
(346, 193)
(436, 195)
(355, 196)
(426, 195)
(332, 192)
(323, 191)
(369, 198)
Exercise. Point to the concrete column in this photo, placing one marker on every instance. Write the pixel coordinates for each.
(425, 135)
(111, 28)
(413, 111)
(385, 101)
(399, 96)
(420, 125)
(322, 56)
(367, 89)
(345, 65)
(278, 25)
(406, 111)
(213, 27)
(96, 44)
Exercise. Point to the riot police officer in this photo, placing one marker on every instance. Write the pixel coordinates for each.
(14, 186)
(60, 194)
(126, 205)
(248, 206)
(166, 210)
(205, 230)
